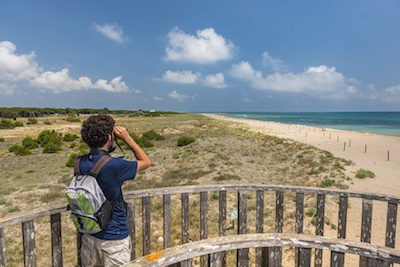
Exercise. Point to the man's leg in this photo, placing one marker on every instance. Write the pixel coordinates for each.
(116, 252)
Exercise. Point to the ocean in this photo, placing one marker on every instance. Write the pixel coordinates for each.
(384, 123)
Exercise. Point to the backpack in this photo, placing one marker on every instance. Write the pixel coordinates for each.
(91, 211)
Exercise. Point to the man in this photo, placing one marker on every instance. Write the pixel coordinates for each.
(112, 246)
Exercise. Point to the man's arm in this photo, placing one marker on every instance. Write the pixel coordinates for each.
(142, 159)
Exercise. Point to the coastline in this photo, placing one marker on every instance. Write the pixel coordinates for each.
(377, 153)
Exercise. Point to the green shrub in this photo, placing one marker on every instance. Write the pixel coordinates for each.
(71, 159)
(362, 173)
(2, 139)
(327, 183)
(32, 121)
(19, 150)
(30, 143)
(152, 135)
(6, 124)
(18, 124)
(70, 137)
(50, 148)
(47, 137)
(73, 119)
(185, 140)
(47, 122)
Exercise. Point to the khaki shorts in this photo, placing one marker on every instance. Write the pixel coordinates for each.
(99, 252)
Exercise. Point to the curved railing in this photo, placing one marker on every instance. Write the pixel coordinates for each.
(195, 213)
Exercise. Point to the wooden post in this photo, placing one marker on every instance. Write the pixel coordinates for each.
(388, 154)
(260, 226)
(78, 247)
(2, 249)
(132, 227)
(185, 217)
(319, 229)
(344, 146)
(366, 227)
(299, 224)
(167, 220)
(28, 230)
(222, 222)
(337, 258)
(56, 240)
(365, 150)
(146, 224)
(242, 255)
(203, 224)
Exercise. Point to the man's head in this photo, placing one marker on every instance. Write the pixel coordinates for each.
(96, 130)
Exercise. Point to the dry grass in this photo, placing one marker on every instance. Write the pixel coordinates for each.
(224, 152)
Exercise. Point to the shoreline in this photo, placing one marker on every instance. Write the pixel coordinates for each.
(377, 153)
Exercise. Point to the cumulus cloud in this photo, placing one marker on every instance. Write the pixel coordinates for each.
(186, 77)
(275, 64)
(62, 82)
(111, 31)
(7, 89)
(15, 67)
(321, 81)
(204, 48)
(215, 80)
(176, 95)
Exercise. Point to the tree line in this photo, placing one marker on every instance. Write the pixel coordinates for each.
(16, 112)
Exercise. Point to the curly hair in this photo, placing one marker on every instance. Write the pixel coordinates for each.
(95, 130)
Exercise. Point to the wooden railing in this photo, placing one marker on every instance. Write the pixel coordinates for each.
(197, 218)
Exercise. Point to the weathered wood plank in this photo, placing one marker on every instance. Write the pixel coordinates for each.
(146, 224)
(222, 222)
(391, 222)
(2, 249)
(203, 223)
(132, 227)
(167, 220)
(299, 222)
(319, 228)
(242, 256)
(304, 257)
(307, 242)
(56, 240)
(260, 225)
(275, 253)
(185, 217)
(337, 258)
(28, 237)
(366, 223)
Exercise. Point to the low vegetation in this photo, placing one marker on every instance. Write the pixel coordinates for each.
(185, 149)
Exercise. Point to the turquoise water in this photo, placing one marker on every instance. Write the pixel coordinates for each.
(385, 123)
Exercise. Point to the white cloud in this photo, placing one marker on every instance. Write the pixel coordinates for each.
(157, 98)
(177, 96)
(204, 48)
(62, 82)
(7, 89)
(321, 81)
(186, 77)
(14, 67)
(275, 64)
(215, 80)
(112, 31)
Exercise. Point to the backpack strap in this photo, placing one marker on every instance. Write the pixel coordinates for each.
(98, 166)
(76, 166)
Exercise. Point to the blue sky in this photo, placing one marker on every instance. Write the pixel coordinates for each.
(200, 56)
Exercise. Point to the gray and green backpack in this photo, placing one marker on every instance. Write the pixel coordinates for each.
(91, 211)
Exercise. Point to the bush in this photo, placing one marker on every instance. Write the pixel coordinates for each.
(30, 143)
(47, 136)
(32, 121)
(18, 124)
(50, 148)
(19, 150)
(185, 140)
(327, 183)
(2, 139)
(152, 135)
(70, 137)
(6, 124)
(71, 159)
(361, 173)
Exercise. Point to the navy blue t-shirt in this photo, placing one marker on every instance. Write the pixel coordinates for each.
(110, 179)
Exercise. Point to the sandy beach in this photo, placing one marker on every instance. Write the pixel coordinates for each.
(377, 153)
